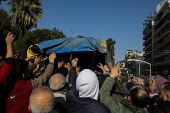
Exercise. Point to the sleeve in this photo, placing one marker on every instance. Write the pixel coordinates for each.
(36, 82)
(72, 93)
(106, 98)
(5, 71)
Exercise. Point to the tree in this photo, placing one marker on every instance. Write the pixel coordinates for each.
(5, 27)
(80, 36)
(110, 45)
(35, 37)
(25, 14)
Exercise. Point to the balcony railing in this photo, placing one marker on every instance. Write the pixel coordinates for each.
(161, 36)
(162, 63)
(162, 44)
(147, 53)
(147, 34)
(147, 47)
(167, 22)
(162, 17)
(160, 55)
(147, 41)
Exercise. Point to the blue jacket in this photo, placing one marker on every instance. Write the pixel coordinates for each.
(75, 104)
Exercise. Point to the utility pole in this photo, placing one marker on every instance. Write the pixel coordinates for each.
(118, 54)
(72, 32)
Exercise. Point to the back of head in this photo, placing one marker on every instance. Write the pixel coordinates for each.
(57, 81)
(41, 100)
(139, 97)
(166, 87)
(87, 84)
(123, 78)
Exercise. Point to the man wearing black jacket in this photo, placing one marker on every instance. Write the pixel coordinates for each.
(163, 105)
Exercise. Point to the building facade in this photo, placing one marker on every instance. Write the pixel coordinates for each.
(157, 40)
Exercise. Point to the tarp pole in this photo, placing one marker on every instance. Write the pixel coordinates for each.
(93, 61)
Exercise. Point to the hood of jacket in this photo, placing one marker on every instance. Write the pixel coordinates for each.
(87, 84)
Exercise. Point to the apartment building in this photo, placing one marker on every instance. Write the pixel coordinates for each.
(157, 40)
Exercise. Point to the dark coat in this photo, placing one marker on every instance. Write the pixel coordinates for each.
(75, 104)
(161, 107)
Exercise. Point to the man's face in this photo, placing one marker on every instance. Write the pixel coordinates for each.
(162, 95)
(152, 86)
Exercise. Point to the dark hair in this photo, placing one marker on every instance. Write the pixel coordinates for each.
(61, 70)
(35, 49)
(139, 99)
(166, 87)
(43, 63)
(123, 78)
(145, 81)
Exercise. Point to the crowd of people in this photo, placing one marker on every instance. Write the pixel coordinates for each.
(46, 85)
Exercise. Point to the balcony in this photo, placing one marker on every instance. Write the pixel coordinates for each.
(144, 49)
(163, 44)
(147, 53)
(162, 63)
(147, 34)
(162, 17)
(161, 36)
(167, 22)
(147, 41)
(159, 55)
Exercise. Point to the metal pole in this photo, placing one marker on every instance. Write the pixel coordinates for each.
(139, 68)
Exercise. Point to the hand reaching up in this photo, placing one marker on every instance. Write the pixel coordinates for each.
(74, 62)
(52, 57)
(114, 71)
(10, 37)
(60, 64)
(37, 60)
(101, 67)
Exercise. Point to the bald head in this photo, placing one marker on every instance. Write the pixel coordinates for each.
(57, 81)
(139, 96)
(41, 100)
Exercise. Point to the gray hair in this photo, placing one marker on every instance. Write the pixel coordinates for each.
(41, 90)
(54, 84)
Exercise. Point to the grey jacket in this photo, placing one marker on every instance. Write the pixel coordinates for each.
(36, 82)
(115, 106)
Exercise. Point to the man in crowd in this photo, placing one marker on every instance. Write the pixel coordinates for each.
(163, 105)
(41, 100)
(57, 83)
(137, 97)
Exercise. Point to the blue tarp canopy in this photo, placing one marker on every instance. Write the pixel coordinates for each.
(71, 44)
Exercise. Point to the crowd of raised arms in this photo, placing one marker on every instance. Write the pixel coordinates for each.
(40, 86)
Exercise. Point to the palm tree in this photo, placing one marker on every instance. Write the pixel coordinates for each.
(25, 14)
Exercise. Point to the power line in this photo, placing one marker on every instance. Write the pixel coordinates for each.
(130, 36)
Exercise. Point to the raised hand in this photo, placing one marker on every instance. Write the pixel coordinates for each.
(114, 71)
(106, 68)
(37, 60)
(74, 62)
(10, 37)
(60, 64)
(52, 57)
(101, 67)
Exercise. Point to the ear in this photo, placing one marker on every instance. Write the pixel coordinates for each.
(29, 108)
(167, 97)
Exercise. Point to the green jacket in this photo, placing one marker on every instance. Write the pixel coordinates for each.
(114, 106)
